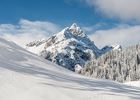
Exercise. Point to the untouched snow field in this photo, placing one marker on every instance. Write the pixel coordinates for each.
(25, 76)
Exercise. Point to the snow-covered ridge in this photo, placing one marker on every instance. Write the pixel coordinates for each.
(110, 48)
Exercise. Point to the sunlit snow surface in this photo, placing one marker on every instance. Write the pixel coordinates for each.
(25, 76)
(133, 83)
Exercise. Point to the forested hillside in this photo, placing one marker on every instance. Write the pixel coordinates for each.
(116, 65)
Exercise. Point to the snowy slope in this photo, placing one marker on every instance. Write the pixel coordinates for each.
(25, 76)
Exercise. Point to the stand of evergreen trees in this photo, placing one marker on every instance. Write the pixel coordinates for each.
(121, 66)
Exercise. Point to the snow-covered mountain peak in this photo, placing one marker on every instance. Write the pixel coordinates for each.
(67, 48)
(74, 26)
(76, 30)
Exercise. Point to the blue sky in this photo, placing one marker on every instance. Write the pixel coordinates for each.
(106, 22)
(63, 12)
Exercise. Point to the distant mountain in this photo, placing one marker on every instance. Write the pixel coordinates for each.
(119, 65)
(67, 48)
(112, 47)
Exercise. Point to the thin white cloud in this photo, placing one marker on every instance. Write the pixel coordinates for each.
(123, 34)
(26, 31)
(122, 9)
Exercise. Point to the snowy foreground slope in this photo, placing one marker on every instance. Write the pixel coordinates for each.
(25, 76)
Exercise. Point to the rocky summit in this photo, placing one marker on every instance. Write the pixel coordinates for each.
(68, 48)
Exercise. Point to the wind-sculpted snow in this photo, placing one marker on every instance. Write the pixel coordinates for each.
(25, 76)
(121, 66)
